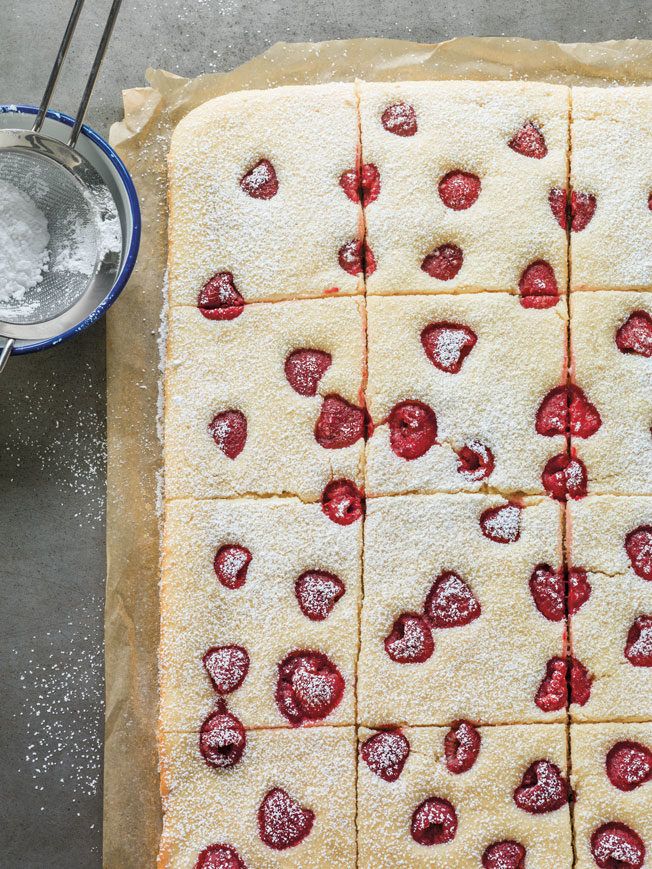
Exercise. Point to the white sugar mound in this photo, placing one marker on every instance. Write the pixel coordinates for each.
(24, 240)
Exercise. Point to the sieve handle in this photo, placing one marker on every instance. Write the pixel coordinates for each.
(97, 63)
(5, 353)
(58, 63)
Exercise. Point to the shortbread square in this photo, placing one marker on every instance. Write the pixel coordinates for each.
(231, 577)
(315, 771)
(611, 356)
(612, 780)
(610, 538)
(611, 170)
(255, 193)
(455, 206)
(235, 424)
(474, 644)
(489, 823)
(483, 365)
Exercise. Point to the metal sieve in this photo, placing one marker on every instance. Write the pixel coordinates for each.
(87, 197)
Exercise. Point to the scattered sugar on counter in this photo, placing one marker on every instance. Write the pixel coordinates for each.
(24, 240)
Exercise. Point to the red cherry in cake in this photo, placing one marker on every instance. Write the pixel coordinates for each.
(282, 821)
(227, 667)
(638, 545)
(317, 592)
(339, 424)
(529, 141)
(635, 334)
(229, 431)
(547, 588)
(582, 210)
(504, 855)
(580, 682)
(450, 603)
(220, 857)
(363, 186)
(461, 747)
(342, 502)
(412, 429)
(649, 201)
(558, 200)
(543, 789)
(219, 298)
(350, 257)
(305, 368)
(502, 524)
(552, 694)
(309, 686)
(566, 410)
(617, 846)
(222, 738)
(629, 765)
(444, 262)
(447, 345)
(400, 119)
(260, 182)
(410, 640)
(369, 260)
(565, 476)
(434, 822)
(475, 461)
(459, 190)
(385, 754)
(638, 649)
(538, 286)
(230, 564)
(579, 589)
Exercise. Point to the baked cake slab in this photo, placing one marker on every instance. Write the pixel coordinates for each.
(611, 350)
(611, 174)
(609, 539)
(612, 780)
(463, 789)
(246, 584)
(455, 385)
(290, 802)
(463, 176)
(241, 417)
(450, 626)
(255, 195)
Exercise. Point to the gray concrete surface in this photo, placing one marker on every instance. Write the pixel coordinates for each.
(52, 420)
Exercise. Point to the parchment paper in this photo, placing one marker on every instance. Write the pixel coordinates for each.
(132, 811)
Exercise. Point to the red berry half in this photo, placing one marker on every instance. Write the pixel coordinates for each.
(400, 119)
(635, 334)
(461, 747)
(339, 424)
(629, 765)
(564, 477)
(282, 821)
(222, 739)
(410, 640)
(450, 603)
(447, 345)
(317, 592)
(547, 587)
(459, 190)
(309, 687)
(567, 411)
(229, 431)
(617, 846)
(543, 789)
(230, 564)
(529, 141)
(227, 667)
(502, 524)
(385, 753)
(342, 502)
(305, 368)
(260, 182)
(475, 461)
(638, 649)
(638, 545)
(538, 286)
(219, 298)
(434, 822)
(444, 262)
(412, 429)
(220, 857)
(504, 855)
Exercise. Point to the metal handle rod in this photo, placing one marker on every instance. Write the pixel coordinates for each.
(5, 353)
(58, 63)
(97, 63)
